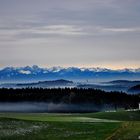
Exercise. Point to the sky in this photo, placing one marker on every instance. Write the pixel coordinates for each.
(79, 33)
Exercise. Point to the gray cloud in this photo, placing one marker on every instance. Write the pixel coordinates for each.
(76, 33)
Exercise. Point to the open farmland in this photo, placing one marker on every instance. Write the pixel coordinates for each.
(92, 126)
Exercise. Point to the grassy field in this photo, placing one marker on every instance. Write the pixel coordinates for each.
(120, 115)
(91, 126)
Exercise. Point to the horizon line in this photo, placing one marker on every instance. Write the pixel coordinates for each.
(80, 67)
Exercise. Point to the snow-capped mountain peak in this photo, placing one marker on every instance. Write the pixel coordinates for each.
(37, 73)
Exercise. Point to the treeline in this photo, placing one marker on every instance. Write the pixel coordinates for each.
(70, 96)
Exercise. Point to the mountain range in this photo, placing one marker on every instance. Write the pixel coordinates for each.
(35, 73)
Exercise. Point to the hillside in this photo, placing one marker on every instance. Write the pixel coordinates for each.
(135, 89)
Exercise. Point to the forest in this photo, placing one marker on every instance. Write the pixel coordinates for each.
(71, 96)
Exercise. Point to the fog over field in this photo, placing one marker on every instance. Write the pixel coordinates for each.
(49, 107)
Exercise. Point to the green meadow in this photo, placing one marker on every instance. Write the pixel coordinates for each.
(120, 125)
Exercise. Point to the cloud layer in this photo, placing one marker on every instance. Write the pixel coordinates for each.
(88, 33)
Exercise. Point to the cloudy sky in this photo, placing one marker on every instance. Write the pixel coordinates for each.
(83, 33)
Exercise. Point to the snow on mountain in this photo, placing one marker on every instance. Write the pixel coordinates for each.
(25, 71)
(35, 73)
(54, 69)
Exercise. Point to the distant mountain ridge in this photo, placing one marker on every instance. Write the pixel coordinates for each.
(41, 84)
(35, 73)
(116, 85)
(54, 82)
(135, 89)
(123, 82)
